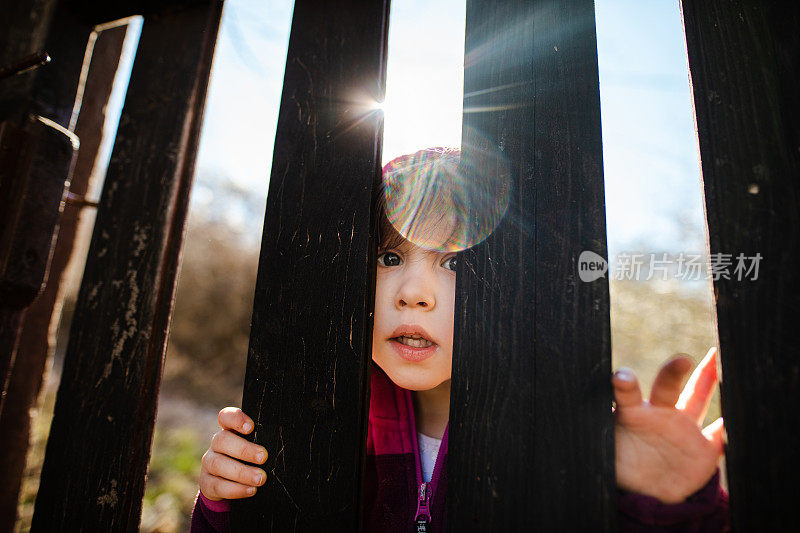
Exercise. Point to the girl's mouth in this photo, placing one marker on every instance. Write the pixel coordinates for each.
(414, 341)
(412, 344)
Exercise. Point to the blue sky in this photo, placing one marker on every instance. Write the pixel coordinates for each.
(649, 143)
(651, 162)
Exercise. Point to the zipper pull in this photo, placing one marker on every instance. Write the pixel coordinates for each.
(422, 522)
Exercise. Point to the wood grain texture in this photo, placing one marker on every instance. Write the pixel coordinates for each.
(531, 427)
(744, 57)
(307, 381)
(99, 447)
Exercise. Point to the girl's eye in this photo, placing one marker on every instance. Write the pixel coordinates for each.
(450, 263)
(389, 259)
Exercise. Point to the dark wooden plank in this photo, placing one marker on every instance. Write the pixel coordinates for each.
(744, 58)
(102, 11)
(306, 385)
(27, 230)
(56, 84)
(36, 157)
(36, 343)
(93, 476)
(531, 427)
(24, 29)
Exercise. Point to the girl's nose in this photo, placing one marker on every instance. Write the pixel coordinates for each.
(415, 291)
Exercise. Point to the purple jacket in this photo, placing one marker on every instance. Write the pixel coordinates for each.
(400, 498)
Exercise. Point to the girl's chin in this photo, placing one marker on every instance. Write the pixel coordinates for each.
(410, 377)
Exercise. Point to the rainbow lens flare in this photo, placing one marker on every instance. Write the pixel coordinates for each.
(446, 199)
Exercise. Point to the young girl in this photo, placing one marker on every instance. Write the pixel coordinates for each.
(666, 466)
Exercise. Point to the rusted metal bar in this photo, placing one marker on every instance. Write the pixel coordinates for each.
(79, 201)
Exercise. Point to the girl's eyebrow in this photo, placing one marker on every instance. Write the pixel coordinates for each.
(426, 252)
(433, 252)
(405, 246)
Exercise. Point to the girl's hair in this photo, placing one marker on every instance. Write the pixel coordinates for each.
(418, 199)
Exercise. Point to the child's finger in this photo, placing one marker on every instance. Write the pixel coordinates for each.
(667, 385)
(217, 487)
(715, 432)
(697, 393)
(238, 447)
(235, 419)
(626, 388)
(224, 467)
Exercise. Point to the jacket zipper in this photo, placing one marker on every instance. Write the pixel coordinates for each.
(425, 490)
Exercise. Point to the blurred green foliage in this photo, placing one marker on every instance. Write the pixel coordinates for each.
(172, 478)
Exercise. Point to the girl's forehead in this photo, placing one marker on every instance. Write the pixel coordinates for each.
(425, 237)
(409, 248)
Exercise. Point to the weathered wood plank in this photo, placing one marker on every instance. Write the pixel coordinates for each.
(35, 343)
(101, 11)
(744, 57)
(531, 427)
(94, 470)
(26, 230)
(306, 385)
(36, 157)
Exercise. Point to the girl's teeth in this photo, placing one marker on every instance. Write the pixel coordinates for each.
(415, 341)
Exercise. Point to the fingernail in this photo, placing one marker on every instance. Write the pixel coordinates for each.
(247, 426)
(251, 490)
(257, 479)
(261, 456)
(625, 374)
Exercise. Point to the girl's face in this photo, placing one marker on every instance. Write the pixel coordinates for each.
(412, 338)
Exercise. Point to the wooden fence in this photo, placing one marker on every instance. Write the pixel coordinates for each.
(531, 442)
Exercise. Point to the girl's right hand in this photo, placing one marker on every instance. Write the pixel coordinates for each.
(223, 475)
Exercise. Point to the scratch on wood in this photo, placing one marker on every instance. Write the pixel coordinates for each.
(283, 447)
(351, 332)
(310, 442)
(285, 489)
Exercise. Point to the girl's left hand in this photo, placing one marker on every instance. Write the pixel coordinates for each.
(661, 450)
